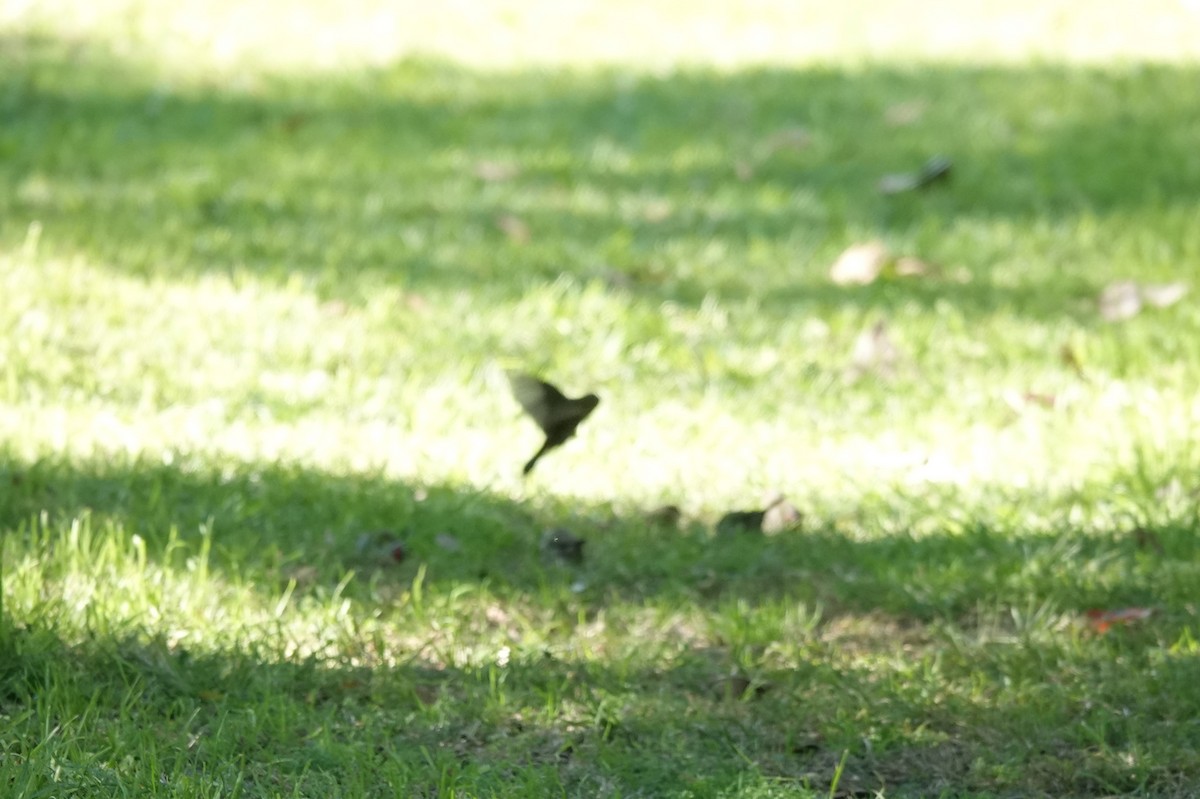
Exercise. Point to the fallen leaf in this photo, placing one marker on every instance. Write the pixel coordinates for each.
(665, 516)
(897, 183)
(496, 615)
(1120, 300)
(1148, 539)
(303, 575)
(514, 228)
(1162, 295)
(563, 544)
(779, 516)
(426, 693)
(1071, 360)
(293, 122)
(382, 545)
(741, 521)
(905, 113)
(448, 542)
(860, 264)
(743, 170)
(908, 266)
(797, 138)
(1103, 620)
(935, 170)
(657, 210)
(1019, 401)
(874, 351)
(496, 171)
(739, 687)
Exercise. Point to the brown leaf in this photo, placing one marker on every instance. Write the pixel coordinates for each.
(874, 351)
(738, 687)
(779, 516)
(496, 171)
(908, 266)
(741, 521)
(293, 122)
(1163, 295)
(514, 228)
(860, 264)
(1148, 539)
(448, 542)
(426, 693)
(1103, 620)
(665, 516)
(1120, 300)
(302, 574)
(1071, 360)
(496, 615)
(897, 183)
(563, 544)
(797, 138)
(657, 210)
(905, 113)
(935, 170)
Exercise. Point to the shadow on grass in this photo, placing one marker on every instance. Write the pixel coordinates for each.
(263, 723)
(371, 713)
(402, 175)
(272, 523)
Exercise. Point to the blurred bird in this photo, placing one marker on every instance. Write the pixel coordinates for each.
(557, 415)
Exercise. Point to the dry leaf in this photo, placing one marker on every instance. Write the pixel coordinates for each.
(426, 693)
(447, 542)
(293, 122)
(1148, 539)
(1103, 620)
(860, 264)
(906, 113)
(496, 171)
(908, 266)
(563, 544)
(303, 575)
(514, 228)
(739, 687)
(797, 138)
(1071, 360)
(496, 615)
(934, 170)
(780, 515)
(1120, 300)
(874, 351)
(657, 210)
(665, 516)
(1162, 295)
(897, 183)
(741, 521)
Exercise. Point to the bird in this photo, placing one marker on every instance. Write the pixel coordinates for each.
(557, 414)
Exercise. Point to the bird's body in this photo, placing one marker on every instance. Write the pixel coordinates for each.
(554, 412)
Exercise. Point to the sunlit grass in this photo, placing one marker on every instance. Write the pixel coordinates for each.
(264, 530)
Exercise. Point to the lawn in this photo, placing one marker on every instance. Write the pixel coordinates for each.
(263, 267)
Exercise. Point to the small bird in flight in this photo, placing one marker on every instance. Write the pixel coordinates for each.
(556, 414)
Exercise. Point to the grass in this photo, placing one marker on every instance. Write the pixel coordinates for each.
(257, 312)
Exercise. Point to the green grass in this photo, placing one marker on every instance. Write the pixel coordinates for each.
(257, 309)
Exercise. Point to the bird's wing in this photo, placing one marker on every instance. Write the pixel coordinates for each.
(539, 399)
